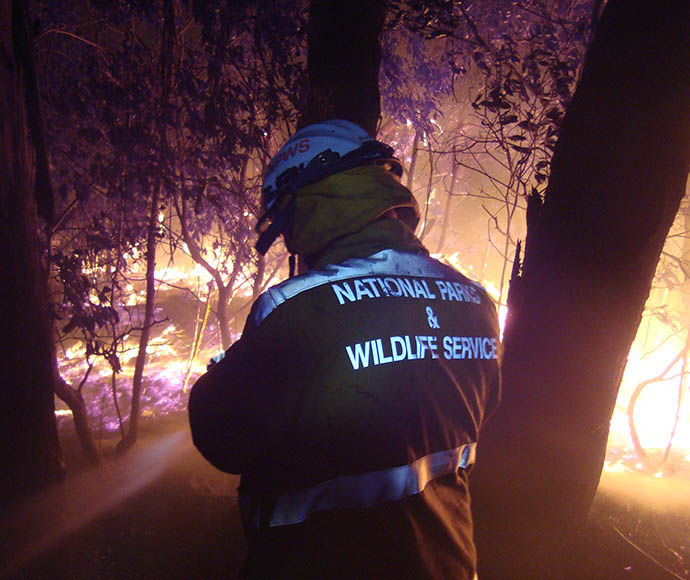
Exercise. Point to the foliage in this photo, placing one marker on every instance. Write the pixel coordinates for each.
(473, 93)
(415, 77)
(476, 92)
(237, 77)
(118, 131)
(104, 152)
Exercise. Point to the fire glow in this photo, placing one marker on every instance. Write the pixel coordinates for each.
(653, 434)
(660, 417)
(650, 427)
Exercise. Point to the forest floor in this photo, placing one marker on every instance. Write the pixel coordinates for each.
(162, 512)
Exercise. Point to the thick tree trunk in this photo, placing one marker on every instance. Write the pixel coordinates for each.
(29, 448)
(343, 62)
(618, 176)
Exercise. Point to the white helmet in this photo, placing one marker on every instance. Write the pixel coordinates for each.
(311, 154)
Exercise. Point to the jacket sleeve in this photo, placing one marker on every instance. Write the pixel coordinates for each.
(243, 403)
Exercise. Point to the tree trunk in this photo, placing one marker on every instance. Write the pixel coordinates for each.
(618, 175)
(413, 161)
(74, 399)
(258, 277)
(166, 80)
(448, 208)
(224, 295)
(29, 447)
(343, 66)
(137, 380)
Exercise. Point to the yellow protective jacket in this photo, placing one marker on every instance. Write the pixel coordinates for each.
(353, 402)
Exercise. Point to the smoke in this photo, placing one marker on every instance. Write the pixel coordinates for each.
(42, 522)
(662, 494)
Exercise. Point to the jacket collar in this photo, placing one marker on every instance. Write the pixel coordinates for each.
(379, 235)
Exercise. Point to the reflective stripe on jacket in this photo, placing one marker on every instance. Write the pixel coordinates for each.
(359, 491)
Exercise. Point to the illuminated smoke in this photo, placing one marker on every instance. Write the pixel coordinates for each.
(37, 526)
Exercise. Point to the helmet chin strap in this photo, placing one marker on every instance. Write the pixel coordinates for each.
(269, 235)
(280, 221)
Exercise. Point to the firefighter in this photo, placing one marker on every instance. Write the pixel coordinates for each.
(352, 403)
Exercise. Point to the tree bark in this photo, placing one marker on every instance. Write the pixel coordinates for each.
(166, 79)
(29, 447)
(224, 297)
(74, 399)
(137, 380)
(343, 62)
(448, 207)
(618, 175)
